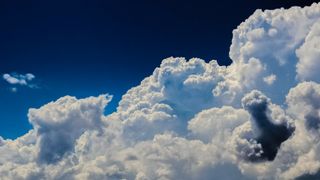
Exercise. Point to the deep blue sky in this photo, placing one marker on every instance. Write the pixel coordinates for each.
(84, 48)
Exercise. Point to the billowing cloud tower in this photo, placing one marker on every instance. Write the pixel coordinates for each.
(258, 118)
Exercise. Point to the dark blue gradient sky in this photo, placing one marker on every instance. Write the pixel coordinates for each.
(85, 48)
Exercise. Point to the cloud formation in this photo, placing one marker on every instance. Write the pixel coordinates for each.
(270, 133)
(19, 79)
(58, 128)
(258, 118)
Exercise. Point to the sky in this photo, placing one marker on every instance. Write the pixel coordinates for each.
(132, 90)
(83, 48)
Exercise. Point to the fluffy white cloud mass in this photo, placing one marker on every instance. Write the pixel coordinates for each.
(258, 118)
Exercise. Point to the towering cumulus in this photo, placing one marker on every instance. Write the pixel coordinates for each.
(258, 118)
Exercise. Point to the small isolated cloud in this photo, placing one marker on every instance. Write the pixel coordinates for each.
(19, 79)
(14, 89)
(270, 79)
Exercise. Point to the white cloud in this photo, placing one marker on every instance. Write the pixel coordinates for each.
(217, 124)
(270, 79)
(308, 54)
(29, 76)
(278, 39)
(59, 124)
(191, 119)
(19, 79)
(14, 80)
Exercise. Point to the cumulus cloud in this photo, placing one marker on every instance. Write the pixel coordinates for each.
(217, 124)
(59, 124)
(270, 79)
(191, 119)
(308, 54)
(19, 79)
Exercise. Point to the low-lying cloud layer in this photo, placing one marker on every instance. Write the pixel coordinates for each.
(258, 118)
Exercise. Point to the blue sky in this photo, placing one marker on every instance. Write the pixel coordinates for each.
(83, 48)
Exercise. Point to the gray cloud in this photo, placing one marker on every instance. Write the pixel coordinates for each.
(270, 134)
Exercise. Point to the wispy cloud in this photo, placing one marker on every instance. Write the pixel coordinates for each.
(19, 80)
(14, 89)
